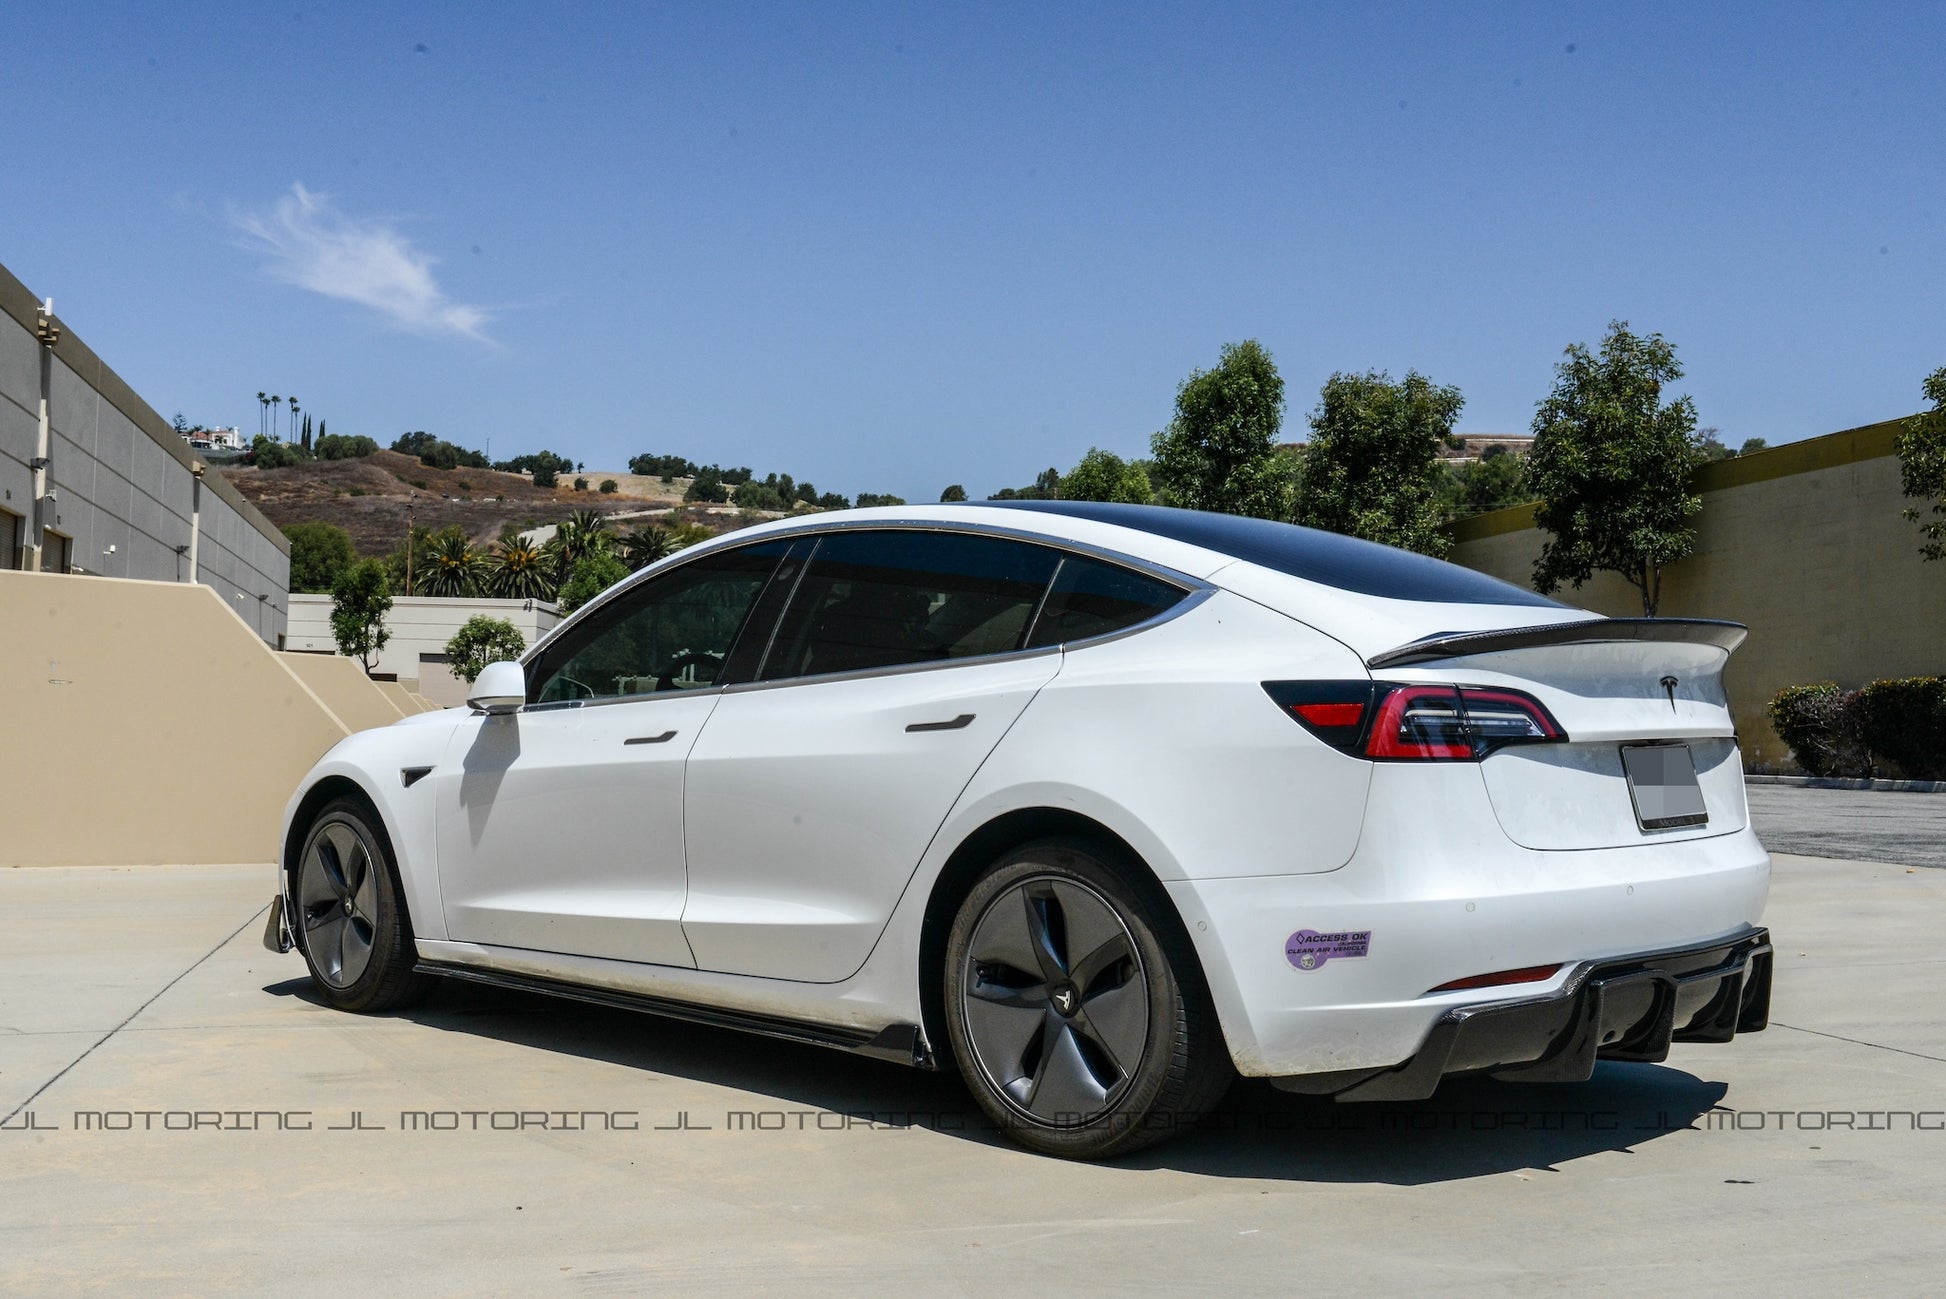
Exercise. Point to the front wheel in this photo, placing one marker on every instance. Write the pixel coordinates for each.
(1076, 1009)
(351, 918)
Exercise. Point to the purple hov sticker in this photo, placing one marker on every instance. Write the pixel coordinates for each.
(1307, 949)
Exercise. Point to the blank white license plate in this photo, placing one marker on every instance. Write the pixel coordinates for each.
(1662, 781)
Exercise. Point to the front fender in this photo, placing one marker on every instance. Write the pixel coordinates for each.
(375, 762)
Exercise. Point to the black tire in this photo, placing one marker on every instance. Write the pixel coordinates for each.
(351, 922)
(1126, 1050)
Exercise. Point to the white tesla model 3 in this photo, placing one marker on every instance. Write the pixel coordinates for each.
(1099, 804)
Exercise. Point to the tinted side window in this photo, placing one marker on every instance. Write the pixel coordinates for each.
(1092, 598)
(885, 599)
(673, 633)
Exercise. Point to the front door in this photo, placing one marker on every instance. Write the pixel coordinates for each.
(560, 826)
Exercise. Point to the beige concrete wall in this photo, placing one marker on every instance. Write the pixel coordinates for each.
(145, 723)
(399, 697)
(345, 689)
(1804, 544)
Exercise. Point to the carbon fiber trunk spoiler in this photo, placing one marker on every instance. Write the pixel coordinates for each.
(1725, 636)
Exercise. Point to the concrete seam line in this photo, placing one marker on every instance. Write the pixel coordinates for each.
(226, 941)
(1877, 1046)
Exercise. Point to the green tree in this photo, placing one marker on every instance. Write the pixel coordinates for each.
(449, 566)
(1611, 465)
(953, 493)
(646, 545)
(707, 486)
(482, 640)
(520, 570)
(1105, 476)
(1371, 468)
(593, 573)
(269, 453)
(360, 599)
(1922, 466)
(1219, 452)
(320, 553)
(1495, 481)
(868, 499)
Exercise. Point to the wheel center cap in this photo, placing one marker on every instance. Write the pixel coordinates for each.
(1065, 999)
(347, 906)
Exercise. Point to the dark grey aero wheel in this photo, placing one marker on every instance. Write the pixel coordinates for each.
(1076, 1008)
(351, 924)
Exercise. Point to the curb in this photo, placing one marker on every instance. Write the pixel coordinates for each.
(1844, 782)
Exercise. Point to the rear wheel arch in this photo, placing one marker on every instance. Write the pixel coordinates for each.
(978, 853)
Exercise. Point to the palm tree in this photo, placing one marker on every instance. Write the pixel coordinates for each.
(520, 571)
(278, 402)
(293, 402)
(263, 408)
(644, 546)
(581, 534)
(452, 566)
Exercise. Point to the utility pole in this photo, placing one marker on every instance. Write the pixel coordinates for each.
(411, 505)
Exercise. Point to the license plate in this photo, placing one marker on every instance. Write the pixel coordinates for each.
(1662, 782)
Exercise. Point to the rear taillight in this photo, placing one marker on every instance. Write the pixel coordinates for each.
(1399, 722)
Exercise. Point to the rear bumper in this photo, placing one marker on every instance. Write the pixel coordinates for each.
(1621, 1008)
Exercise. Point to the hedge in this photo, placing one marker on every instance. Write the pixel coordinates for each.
(1905, 722)
(1836, 732)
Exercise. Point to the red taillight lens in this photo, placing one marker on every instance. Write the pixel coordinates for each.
(1427, 723)
(1528, 974)
(1396, 722)
(1331, 716)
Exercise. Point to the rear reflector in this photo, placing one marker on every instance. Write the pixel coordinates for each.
(1400, 722)
(1531, 974)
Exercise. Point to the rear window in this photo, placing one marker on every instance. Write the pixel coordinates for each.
(1323, 557)
(1090, 598)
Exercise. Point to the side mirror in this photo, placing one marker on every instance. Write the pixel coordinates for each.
(501, 688)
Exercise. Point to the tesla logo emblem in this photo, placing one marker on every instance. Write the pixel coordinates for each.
(1669, 685)
(1064, 1000)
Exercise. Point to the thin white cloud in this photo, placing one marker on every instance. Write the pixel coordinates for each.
(308, 242)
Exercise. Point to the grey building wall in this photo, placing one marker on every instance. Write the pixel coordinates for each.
(122, 480)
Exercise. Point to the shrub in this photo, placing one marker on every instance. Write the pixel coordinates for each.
(1822, 724)
(593, 573)
(580, 484)
(339, 446)
(482, 640)
(609, 486)
(1904, 721)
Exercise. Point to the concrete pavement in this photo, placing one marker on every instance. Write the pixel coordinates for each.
(184, 1117)
(1875, 825)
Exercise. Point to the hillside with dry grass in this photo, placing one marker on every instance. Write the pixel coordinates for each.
(370, 498)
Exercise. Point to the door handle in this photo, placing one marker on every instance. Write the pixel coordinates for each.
(958, 723)
(663, 738)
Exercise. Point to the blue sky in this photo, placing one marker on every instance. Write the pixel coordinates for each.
(891, 247)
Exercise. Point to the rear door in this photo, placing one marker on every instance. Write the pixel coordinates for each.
(815, 789)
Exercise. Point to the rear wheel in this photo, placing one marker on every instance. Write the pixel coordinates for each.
(1076, 1009)
(351, 920)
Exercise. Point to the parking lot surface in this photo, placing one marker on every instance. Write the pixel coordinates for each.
(1872, 825)
(182, 1116)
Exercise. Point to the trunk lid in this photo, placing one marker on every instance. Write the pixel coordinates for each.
(1613, 684)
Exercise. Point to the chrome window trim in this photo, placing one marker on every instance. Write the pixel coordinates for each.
(1195, 591)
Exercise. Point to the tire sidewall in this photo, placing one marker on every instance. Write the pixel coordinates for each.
(387, 939)
(1133, 1120)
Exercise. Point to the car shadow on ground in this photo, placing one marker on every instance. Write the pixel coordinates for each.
(1473, 1127)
